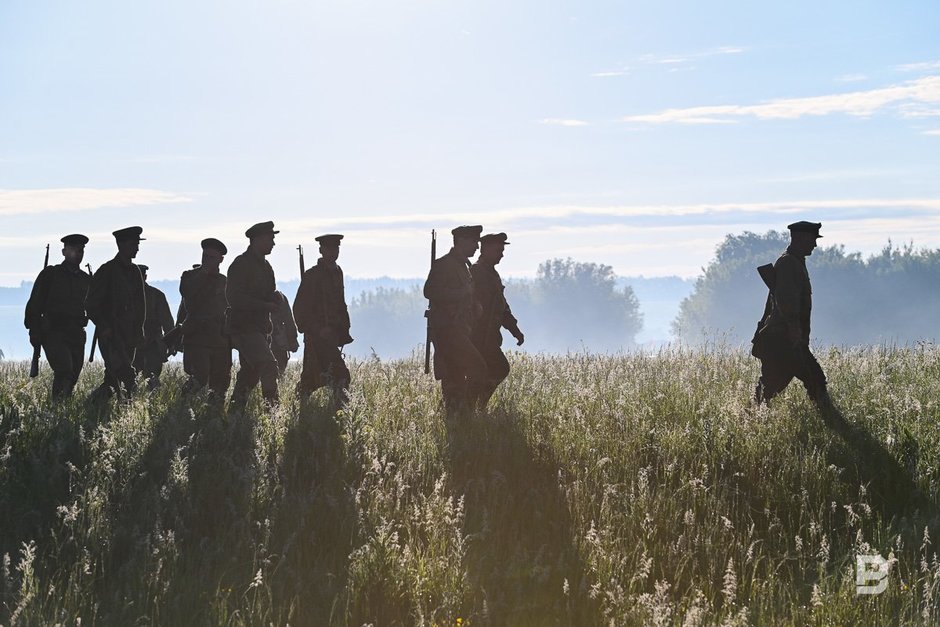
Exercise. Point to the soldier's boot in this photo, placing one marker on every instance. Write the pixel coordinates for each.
(340, 394)
(269, 376)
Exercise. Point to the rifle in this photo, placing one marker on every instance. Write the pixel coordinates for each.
(94, 338)
(300, 253)
(768, 275)
(427, 339)
(37, 350)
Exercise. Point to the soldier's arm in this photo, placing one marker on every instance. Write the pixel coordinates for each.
(192, 282)
(97, 299)
(787, 291)
(443, 285)
(166, 316)
(237, 292)
(36, 305)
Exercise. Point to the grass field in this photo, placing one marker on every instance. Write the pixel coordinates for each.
(628, 489)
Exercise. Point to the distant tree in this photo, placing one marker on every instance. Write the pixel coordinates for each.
(573, 305)
(887, 297)
(389, 321)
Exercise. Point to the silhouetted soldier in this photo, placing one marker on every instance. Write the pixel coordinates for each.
(55, 315)
(207, 350)
(284, 336)
(321, 315)
(452, 312)
(117, 304)
(782, 338)
(250, 291)
(149, 358)
(487, 335)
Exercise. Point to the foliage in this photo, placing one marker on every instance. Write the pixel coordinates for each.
(599, 489)
(886, 297)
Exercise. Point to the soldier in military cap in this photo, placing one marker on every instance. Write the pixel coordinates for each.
(55, 315)
(117, 304)
(149, 358)
(207, 349)
(284, 335)
(487, 335)
(782, 338)
(250, 291)
(452, 313)
(322, 316)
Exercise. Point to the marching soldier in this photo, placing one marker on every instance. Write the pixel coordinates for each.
(322, 316)
(451, 315)
(207, 350)
(55, 315)
(150, 357)
(117, 304)
(487, 335)
(284, 336)
(250, 291)
(782, 338)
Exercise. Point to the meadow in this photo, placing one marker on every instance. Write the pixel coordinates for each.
(639, 488)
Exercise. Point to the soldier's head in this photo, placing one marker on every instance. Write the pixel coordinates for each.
(73, 248)
(329, 246)
(261, 237)
(492, 247)
(128, 241)
(803, 236)
(143, 270)
(213, 252)
(466, 239)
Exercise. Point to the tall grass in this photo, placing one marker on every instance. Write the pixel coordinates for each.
(628, 489)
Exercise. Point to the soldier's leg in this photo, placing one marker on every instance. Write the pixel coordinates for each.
(811, 374)
(497, 368)
(197, 365)
(77, 349)
(311, 375)
(258, 349)
(468, 366)
(335, 372)
(281, 357)
(59, 356)
(248, 375)
(220, 371)
(118, 368)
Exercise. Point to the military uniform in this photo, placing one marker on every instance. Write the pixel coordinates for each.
(250, 291)
(487, 336)
(452, 311)
(117, 304)
(284, 334)
(149, 358)
(322, 316)
(56, 319)
(207, 350)
(786, 318)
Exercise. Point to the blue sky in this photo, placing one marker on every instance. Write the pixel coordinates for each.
(634, 134)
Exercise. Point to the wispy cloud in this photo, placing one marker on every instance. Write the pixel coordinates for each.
(562, 122)
(674, 62)
(925, 66)
(859, 104)
(935, 131)
(42, 201)
(611, 73)
(852, 78)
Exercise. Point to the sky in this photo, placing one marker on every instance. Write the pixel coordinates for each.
(634, 134)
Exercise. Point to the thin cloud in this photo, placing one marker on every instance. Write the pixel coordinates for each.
(935, 131)
(859, 104)
(852, 78)
(562, 122)
(675, 62)
(42, 201)
(925, 66)
(611, 73)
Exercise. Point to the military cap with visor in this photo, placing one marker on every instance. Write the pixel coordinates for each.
(330, 239)
(805, 227)
(472, 232)
(260, 229)
(214, 244)
(494, 238)
(128, 234)
(75, 239)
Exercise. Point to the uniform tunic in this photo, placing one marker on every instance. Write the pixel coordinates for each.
(55, 313)
(150, 357)
(487, 336)
(207, 350)
(322, 316)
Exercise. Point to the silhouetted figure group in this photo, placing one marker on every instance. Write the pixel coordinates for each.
(467, 309)
(467, 312)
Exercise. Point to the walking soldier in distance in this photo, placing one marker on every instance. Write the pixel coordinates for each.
(207, 350)
(284, 335)
(55, 315)
(782, 338)
(149, 358)
(250, 291)
(487, 334)
(452, 313)
(117, 304)
(322, 316)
